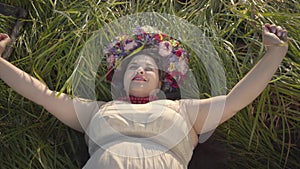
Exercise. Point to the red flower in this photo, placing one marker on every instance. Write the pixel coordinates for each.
(164, 35)
(139, 37)
(174, 85)
(109, 75)
(157, 37)
(178, 52)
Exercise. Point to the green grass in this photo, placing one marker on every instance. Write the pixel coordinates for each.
(264, 135)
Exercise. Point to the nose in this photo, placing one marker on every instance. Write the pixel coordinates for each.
(140, 70)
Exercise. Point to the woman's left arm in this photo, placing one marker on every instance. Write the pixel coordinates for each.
(243, 93)
(247, 89)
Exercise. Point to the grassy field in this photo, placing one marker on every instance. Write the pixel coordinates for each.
(266, 134)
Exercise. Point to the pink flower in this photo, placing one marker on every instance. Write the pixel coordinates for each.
(110, 60)
(182, 66)
(165, 48)
(130, 45)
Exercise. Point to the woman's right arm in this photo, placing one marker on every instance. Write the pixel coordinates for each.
(61, 106)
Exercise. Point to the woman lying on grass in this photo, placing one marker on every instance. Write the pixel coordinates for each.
(140, 129)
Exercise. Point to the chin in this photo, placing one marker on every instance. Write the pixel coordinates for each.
(138, 94)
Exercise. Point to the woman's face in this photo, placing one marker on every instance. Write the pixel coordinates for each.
(141, 78)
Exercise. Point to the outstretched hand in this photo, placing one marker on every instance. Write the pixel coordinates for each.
(273, 35)
(4, 40)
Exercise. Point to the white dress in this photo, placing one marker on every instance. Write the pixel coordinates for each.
(139, 136)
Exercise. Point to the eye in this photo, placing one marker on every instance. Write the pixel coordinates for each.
(132, 67)
(149, 69)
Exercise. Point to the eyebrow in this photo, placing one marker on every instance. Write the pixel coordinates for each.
(147, 64)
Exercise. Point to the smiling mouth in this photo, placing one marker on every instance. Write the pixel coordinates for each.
(139, 78)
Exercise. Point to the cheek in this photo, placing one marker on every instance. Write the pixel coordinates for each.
(155, 78)
(128, 75)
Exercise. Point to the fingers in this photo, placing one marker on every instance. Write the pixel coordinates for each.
(283, 35)
(4, 38)
(265, 29)
(280, 32)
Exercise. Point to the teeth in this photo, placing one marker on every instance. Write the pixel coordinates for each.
(139, 78)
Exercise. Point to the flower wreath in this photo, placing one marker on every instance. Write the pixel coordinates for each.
(174, 55)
